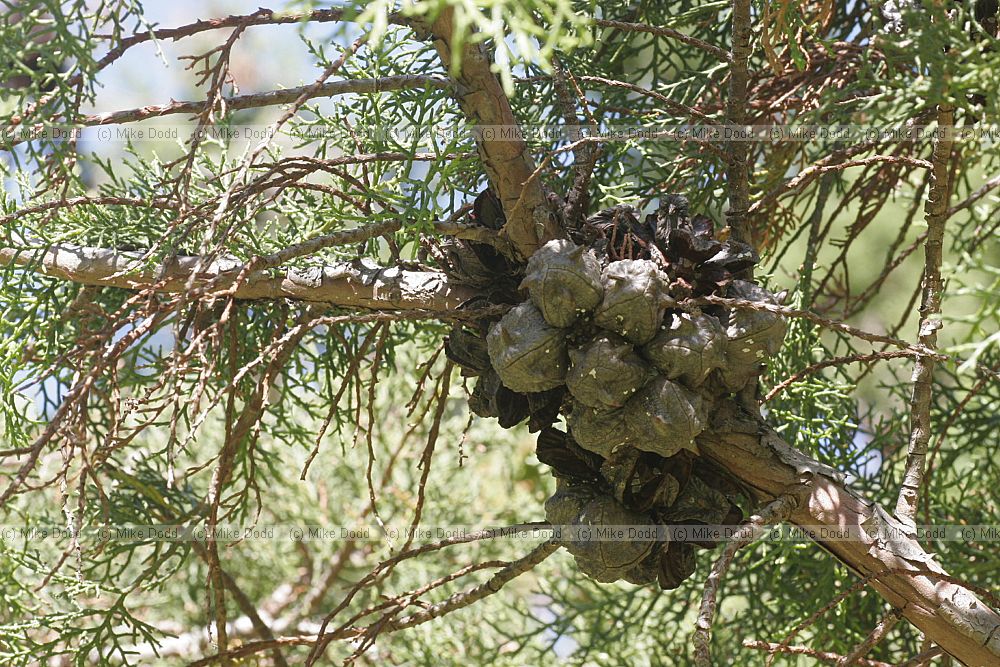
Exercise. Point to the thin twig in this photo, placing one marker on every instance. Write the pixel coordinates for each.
(455, 602)
(493, 585)
(738, 152)
(871, 337)
(930, 306)
(776, 511)
(163, 204)
(259, 17)
(824, 656)
(836, 361)
(672, 105)
(987, 187)
(923, 657)
(324, 636)
(810, 173)
(270, 98)
(662, 31)
(877, 634)
(586, 157)
(943, 433)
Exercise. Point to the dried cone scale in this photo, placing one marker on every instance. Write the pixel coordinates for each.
(632, 305)
(563, 281)
(665, 417)
(527, 352)
(599, 431)
(688, 347)
(605, 372)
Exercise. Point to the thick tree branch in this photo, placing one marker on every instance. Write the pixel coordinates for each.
(508, 163)
(358, 284)
(909, 578)
(368, 232)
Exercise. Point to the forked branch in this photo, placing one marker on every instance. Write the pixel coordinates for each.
(509, 165)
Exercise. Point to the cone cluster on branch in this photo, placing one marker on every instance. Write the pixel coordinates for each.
(601, 340)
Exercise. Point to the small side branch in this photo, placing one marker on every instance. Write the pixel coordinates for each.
(584, 157)
(457, 601)
(670, 33)
(240, 21)
(835, 361)
(883, 628)
(930, 306)
(833, 325)
(776, 511)
(826, 166)
(738, 153)
(500, 579)
(822, 656)
(492, 585)
(986, 188)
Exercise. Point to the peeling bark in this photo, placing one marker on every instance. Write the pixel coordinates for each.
(949, 614)
(359, 284)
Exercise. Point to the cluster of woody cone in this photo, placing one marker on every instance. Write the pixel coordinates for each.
(602, 342)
